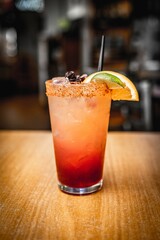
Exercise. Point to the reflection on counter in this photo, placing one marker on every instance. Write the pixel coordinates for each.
(40, 41)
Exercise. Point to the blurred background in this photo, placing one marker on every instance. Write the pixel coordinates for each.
(40, 39)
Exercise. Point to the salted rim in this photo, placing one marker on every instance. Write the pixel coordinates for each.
(76, 90)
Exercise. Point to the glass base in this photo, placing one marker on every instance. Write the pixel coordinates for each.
(81, 191)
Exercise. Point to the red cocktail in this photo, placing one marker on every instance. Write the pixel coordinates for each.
(79, 116)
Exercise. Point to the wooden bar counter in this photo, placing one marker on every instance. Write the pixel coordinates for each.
(32, 206)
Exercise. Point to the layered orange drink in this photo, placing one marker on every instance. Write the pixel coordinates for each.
(79, 112)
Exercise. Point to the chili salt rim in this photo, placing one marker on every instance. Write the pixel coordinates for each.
(76, 90)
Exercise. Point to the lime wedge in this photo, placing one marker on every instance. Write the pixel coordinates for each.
(112, 81)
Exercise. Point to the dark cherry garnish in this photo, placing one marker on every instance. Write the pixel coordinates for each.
(73, 78)
(82, 77)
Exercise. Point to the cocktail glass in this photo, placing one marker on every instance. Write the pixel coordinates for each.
(79, 115)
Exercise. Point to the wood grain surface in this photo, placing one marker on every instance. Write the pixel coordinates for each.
(32, 206)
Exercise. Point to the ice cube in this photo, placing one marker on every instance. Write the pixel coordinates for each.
(60, 80)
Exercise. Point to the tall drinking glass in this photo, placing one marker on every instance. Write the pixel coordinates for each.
(79, 115)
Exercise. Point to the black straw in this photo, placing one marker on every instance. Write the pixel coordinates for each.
(101, 56)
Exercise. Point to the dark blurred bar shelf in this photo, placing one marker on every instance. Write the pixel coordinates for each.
(38, 42)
